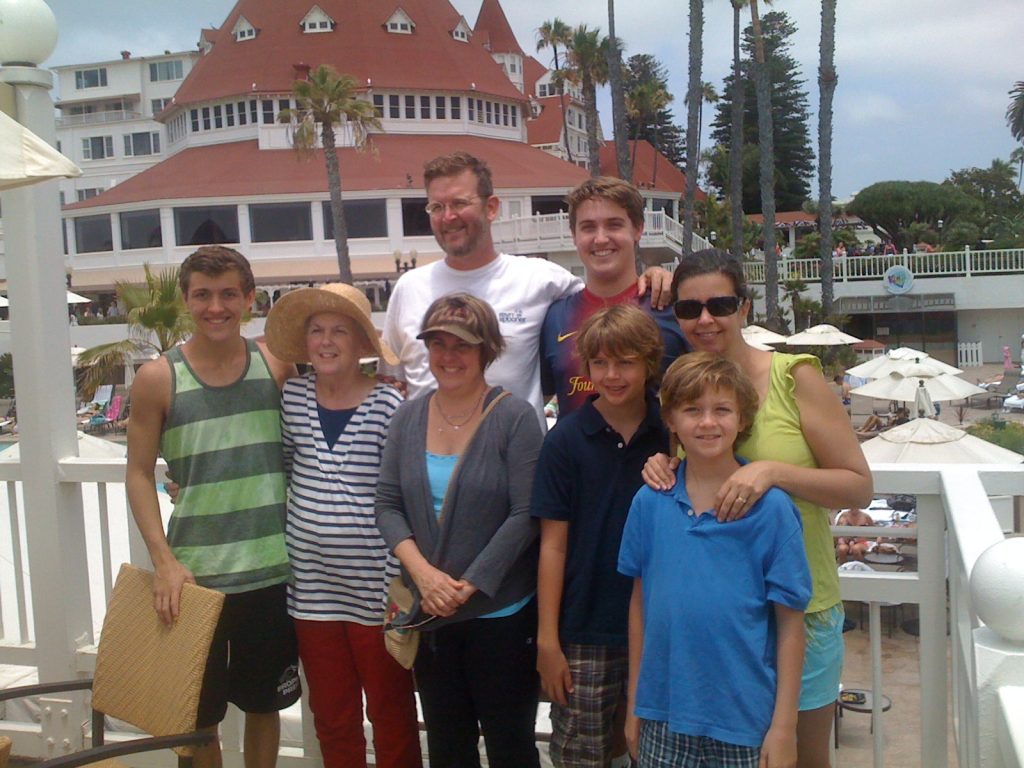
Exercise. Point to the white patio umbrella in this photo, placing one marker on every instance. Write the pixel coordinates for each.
(755, 334)
(883, 365)
(73, 298)
(940, 387)
(926, 441)
(923, 404)
(821, 336)
(25, 158)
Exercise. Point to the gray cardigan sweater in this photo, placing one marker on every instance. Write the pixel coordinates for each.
(485, 534)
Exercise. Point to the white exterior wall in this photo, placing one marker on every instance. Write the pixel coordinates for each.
(127, 81)
(989, 308)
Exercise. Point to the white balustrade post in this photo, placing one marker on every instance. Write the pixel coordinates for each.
(967, 259)
(931, 522)
(42, 371)
(997, 593)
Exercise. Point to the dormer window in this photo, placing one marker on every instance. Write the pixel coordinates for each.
(400, 23)
(243, 30)
(316, 21)
(462, 31)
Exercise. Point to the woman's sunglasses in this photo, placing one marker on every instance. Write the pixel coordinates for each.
(718, 306)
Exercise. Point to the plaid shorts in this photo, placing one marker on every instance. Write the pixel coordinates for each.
(661, 748)
(581, 733)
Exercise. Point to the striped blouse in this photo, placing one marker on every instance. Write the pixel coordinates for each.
(340, 565)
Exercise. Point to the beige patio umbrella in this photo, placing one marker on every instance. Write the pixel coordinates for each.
(757, 335)
(25, 158)
(881, 366)
(821, 336)
(940, 387)
(926, 441)
(73, 298)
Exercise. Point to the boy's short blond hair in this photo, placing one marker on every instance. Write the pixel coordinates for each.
(693, 374)
(621, 331)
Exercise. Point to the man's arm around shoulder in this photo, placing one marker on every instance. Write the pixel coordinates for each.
(151, 400)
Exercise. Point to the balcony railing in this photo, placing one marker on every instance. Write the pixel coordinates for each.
(94, 118)
(956, 529)
(938, 264)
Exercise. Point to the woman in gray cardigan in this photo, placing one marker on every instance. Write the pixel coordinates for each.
(453, 504)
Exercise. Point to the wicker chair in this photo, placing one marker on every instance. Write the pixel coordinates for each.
(147, 674)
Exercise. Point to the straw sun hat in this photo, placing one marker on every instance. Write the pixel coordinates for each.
(286, 323)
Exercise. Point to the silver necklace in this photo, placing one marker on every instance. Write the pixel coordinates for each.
(457, 420)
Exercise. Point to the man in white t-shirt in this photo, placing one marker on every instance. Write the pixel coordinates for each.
(462, 205)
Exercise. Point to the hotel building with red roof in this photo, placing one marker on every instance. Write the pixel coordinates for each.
(184, 149)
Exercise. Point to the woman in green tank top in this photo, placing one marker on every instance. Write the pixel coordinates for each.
(801, 442)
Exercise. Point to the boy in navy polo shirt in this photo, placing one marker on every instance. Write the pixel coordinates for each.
(716, 627)
(588, 472)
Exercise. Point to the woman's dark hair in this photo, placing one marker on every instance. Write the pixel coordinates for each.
(710, 261)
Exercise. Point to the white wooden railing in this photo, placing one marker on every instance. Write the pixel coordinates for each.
(956, 530)
(938, 264)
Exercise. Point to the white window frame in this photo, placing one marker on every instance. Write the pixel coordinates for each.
(174, 69)
(80, 78)
(154, 144)
(108, 147)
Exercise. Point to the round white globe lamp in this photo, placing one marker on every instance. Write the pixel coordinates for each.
(28, 33)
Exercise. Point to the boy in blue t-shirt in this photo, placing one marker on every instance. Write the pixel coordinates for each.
(587, 474)
(716, 630)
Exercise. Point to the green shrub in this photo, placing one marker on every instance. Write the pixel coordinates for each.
(995, 429)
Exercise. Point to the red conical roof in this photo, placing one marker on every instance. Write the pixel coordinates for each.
(491, 22)
(429, 59)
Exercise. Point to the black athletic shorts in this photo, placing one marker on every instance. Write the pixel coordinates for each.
(254, 660)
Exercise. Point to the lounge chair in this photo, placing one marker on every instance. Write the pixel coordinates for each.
(105, 421)
(1005, 387)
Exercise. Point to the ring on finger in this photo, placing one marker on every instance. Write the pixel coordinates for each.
(741, 500)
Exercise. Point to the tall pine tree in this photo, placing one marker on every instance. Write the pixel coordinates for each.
(794, 157)
(662, 132)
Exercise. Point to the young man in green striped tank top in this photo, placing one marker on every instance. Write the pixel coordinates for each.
(211, 408)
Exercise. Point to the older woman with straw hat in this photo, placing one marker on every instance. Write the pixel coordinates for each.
(335, 421)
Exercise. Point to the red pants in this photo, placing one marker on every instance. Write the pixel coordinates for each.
(342, 659)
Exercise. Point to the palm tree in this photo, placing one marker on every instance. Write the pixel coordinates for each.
(827, 79)
(762, 87)
(1015, 112)
(694, 99)
(1017, 156)
(588, 65)
(708, 95)
(155, 309)
(736, 136)
(327, 99)
(643, 103)
(618, 98)
(556, 33)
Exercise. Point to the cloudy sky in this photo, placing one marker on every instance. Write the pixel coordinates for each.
(922, 83)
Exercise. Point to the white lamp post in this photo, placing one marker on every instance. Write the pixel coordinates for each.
(42, 375)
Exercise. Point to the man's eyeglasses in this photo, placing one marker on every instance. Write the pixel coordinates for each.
(718, 306)
(456, 206)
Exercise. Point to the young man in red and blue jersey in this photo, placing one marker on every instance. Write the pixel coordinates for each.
(606, 217)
